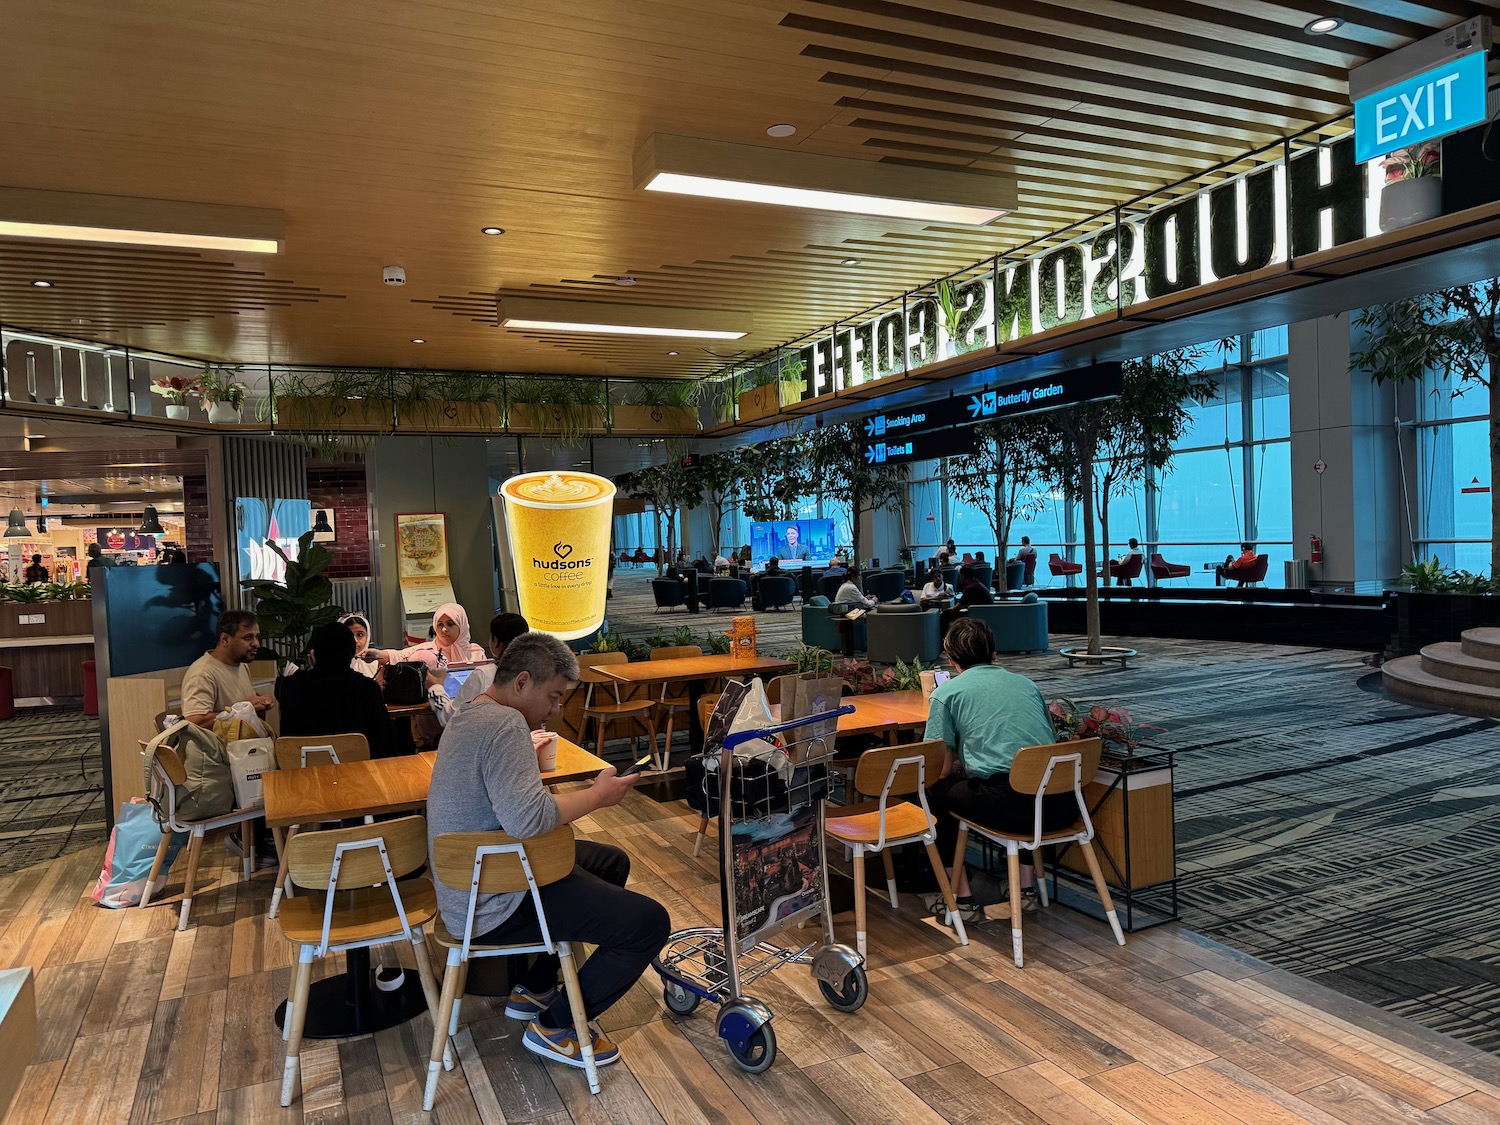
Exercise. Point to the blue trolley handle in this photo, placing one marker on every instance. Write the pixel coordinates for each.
(739, 738)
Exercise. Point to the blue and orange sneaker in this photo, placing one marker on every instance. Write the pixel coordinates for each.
(562, 1046)
(527, 1005)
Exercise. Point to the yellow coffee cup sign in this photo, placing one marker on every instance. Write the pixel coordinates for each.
(558, 527)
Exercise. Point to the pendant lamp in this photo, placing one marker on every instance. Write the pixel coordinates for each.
(150, 525)
(17, 529)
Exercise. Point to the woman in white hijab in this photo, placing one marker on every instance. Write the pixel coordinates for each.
(366, 661)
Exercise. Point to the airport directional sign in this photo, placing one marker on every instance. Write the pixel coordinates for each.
(921, 447)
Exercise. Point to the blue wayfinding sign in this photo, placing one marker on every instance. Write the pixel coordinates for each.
(1432, 104)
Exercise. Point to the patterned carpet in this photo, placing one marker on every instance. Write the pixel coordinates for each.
(1330, 831)
(1334, 833)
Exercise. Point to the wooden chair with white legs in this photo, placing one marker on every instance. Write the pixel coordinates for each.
(356, 902)
(167, 771)
(293, 752)
(894, 771)
(673, 699)
(706, 705)
(491, 863)
(614, 709)
(1040, 771)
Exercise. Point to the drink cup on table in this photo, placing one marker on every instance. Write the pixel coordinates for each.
(546, 749)
(558, 526)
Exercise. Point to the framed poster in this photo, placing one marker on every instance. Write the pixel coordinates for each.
(323, 527)
(421, 545)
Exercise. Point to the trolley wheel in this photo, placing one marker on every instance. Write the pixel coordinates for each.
(849, 994)
(679, 1001)
(759, 1052)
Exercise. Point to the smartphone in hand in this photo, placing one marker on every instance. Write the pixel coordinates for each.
(636, 767)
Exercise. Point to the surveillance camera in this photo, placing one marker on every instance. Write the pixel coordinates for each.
(393, 275)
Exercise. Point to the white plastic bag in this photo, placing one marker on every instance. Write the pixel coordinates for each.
(245, 712)
(248, 759)
(755, 713)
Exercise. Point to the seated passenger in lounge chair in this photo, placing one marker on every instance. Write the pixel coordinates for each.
(1232, 564)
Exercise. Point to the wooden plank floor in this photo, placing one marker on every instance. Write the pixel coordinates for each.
(142, 1024)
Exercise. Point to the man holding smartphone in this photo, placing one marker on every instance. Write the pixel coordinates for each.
(487, 777)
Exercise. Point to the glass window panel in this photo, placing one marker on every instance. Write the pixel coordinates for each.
(1272, 489)
(970, 528)
(1219, 418)
(1440, 399)
(1048, 527)
(1453, 458)
(1271, 401)
(926, 531)
(1199, 501)
(1127, 518)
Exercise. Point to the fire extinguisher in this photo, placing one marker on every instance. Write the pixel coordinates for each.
(1317, 550)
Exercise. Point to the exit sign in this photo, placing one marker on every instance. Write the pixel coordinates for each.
(1432, 104)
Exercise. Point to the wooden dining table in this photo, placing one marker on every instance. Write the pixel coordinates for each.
(383, 785)
(883, 713)
(694, 671)
(344, 1005)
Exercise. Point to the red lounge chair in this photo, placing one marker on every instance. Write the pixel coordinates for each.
(1162, 570)
(1061, 566)
(640, 558)
(1125, 572)
(968, 559)
(1255, 572)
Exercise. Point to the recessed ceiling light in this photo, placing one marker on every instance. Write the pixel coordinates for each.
(850, 262)
(492, 230)
(417, 340)
(626, 281)
(1323, 25)
(42, 284)
(671, 353)
(781, 130)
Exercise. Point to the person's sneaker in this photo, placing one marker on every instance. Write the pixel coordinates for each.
(234, 845)
(527, 1005)
(562, 1046)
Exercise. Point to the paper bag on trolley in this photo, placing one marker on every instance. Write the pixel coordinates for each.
(804, 695)
(754, 714)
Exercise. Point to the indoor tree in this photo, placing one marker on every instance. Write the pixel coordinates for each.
(774, 475)
(1095, 449)
(721, 477)
(843, 475)
(1451, 333)
(1000, 478)
(668, 488)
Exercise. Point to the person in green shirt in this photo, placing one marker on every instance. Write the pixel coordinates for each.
(985, 714)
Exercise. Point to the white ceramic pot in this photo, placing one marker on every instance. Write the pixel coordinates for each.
(222, 414)
(178, 413)
(1410, 201)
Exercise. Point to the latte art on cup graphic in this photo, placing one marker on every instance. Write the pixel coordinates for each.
(558, 527)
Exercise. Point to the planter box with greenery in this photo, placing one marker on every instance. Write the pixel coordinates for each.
(653, 420)
(448, 417)
(566, 409)
(65, 605)
(759, 402)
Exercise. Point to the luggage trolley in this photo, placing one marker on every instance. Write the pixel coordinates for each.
(773, 877)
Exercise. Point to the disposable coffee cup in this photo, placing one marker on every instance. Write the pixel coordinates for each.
(546, 754)
(558, 526)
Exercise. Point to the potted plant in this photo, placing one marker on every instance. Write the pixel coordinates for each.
(658, 406)
(223, 396)
(1413, 190)
(321, 408)
(460, 402)
(175, 389)
(1438, 604)
(291, 609)
(567, 409)
(765, 393)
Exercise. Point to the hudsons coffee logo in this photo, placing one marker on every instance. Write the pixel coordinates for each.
(563, 551)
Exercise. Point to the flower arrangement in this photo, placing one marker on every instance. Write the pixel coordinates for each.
(1413, 163)
(175, 388)
(1115, 725)
(862, 678)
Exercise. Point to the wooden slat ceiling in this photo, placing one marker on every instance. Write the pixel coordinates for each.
(391, 131)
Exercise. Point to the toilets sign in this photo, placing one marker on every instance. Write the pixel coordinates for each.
(1432, 104)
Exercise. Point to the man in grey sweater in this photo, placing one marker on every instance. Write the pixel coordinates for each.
(487, 778)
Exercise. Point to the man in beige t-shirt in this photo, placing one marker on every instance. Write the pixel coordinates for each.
(221, 678)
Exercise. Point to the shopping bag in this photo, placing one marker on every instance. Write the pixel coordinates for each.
(248, 759)
(130, 854)
(811, 694)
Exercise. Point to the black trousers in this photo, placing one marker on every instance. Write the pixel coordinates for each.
(590, 905)
(991, 801)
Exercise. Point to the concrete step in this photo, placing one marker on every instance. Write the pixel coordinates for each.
(1449, 661)
(1483, 643)
(1405, 680)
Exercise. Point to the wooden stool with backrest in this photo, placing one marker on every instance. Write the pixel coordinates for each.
(167, 771)
(642, 711)
(674, 697)
(1060, 767)
(295, 751)
(894, 771)
(494, 863)
(355, 902)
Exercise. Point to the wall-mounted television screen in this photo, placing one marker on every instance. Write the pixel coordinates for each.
(791, 541)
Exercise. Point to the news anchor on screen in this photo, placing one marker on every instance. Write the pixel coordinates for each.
(791, 547)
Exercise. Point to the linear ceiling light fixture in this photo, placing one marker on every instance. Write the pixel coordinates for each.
(68, 216)
(602, 319)
(792, 178)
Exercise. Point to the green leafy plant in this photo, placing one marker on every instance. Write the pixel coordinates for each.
(219, 385)
(672, 393)
(67, 591)
(717, 644)
(907, 676)
(567, 411)
(291, 609)
(1429, 577)
(26, 594)
(1467, 582)
(683, 636)
(811, 658)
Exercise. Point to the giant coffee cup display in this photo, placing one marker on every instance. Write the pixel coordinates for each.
(558, 525)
